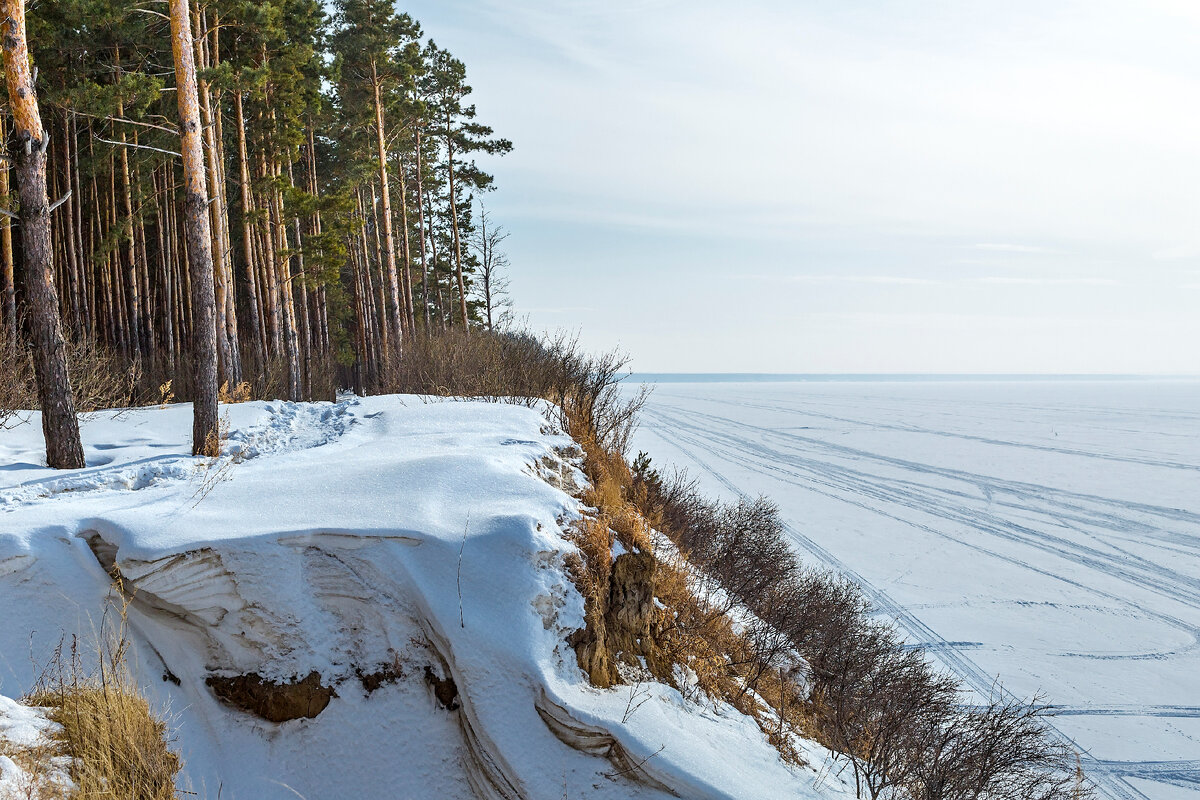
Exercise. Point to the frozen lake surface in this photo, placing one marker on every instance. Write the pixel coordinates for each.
(1043, 532)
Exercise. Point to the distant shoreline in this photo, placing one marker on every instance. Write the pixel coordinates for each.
(785, 377)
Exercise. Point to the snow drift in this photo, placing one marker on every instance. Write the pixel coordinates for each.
(360, 598)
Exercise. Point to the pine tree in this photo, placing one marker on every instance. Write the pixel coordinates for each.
(199, 243)
(446, 85)
(28, 148)
(336, 154)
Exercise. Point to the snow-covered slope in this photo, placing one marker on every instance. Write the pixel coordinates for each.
(370, 551)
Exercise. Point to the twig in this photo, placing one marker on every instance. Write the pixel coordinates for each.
(461, 622)
(635, 692)
(637, 765)
(100, 138)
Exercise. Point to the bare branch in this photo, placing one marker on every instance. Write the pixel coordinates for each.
(59, 201)
(100, 138)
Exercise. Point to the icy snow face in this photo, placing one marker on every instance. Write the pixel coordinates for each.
(407, 552)
(1047, 533)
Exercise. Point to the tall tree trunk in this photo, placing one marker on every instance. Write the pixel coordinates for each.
(287, 301)
(303, 321)
(270, 287)
(59, 423)
(437, 287)
(458, 269)
(225, 371)
(221, 192)
(68, 237)
(421, 237)
(139, 231)
(389, 240)
(321, 321)
(409, 311)
(166, 260)
(384, 329)
(76, 206)
(6, 241)
(205, 431)
(137, 340)
(256, 313)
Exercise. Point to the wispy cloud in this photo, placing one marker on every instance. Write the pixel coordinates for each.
(1009, 281)
(893, 280)
(1001, 247)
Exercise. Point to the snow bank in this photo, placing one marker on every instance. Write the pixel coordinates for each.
(409, 554)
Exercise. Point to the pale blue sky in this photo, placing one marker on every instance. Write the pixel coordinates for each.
(823, 186)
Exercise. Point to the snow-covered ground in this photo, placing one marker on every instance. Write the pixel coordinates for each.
(29, 764)
(1044, 532)
(385, 544)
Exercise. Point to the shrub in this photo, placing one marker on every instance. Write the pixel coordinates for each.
(873, 700)
(99, 379)
(1002, 751)
(16, 381)
(519, 367)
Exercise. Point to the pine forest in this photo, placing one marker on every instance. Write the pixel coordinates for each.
(317, 163)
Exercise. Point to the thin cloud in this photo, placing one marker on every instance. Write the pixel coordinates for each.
(559, 310)
(887, 280)
(1008, 281)
(999, 247)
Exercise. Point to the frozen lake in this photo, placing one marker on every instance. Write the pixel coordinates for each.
(1043, 532)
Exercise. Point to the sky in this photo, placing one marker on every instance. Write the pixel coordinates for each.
(821, 186)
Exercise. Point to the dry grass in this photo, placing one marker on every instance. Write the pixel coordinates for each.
(117, 744)
(16, 385)
(115, 740)
(99, 379)
(241, 393)
(693, 644)
(44, 771)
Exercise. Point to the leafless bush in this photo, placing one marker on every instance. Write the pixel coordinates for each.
(16, 381)
(518, 367)
(878, 703)
(870, 697)
(511, 368)
(99, 378)
(1002, 751)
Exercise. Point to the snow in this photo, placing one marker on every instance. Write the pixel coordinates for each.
(343, 538)
(26, 733)
(1045, 532)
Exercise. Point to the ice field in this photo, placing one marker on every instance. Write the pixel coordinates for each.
(1040, 533)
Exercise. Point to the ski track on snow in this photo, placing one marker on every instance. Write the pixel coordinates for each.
(1033, 527)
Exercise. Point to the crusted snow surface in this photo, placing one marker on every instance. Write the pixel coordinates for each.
(386, 544)
(1044, 532)
(28, 766)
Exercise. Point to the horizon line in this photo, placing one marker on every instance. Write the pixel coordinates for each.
(644, 374)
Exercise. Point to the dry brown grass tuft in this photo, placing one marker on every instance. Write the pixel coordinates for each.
(117, 744)
(241, 393)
